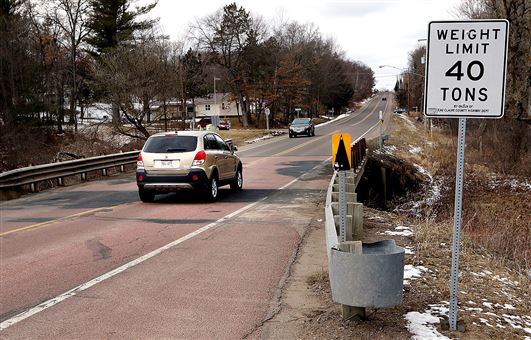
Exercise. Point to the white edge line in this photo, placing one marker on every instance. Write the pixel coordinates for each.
(84, 286)
(76, 290)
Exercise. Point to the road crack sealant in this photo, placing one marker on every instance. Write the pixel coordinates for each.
(276, 304)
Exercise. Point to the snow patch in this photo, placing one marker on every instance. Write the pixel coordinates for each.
(414, 149)
(409, 250)
(98, 111)
(421, 325)
(386, 150)
(504, 280)
(376, 218)
(423, 171)
(399, 231)
(266, 137)
(476, 309)
(513, 183)
(485, 321)
(411, 272)
(408, 122)
(333, 120)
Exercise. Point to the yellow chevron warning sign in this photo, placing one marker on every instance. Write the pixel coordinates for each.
(341, 154)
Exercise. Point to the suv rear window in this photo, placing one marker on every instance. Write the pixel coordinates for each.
(169, 144)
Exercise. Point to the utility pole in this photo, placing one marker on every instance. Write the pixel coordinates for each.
(408, 90)
(215, 121)
(183, 100)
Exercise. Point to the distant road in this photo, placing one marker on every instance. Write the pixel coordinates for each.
(182, 268)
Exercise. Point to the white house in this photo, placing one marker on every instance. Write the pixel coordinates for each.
(220, 104)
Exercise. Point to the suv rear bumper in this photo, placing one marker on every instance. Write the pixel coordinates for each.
(195, 179)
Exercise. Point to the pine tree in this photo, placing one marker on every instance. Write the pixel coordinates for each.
(113, 22)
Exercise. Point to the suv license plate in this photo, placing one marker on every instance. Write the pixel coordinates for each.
(167, 164)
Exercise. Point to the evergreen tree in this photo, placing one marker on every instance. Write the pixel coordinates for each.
(193, 75)
(113, 22)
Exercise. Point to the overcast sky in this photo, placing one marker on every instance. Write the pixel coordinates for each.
(373, 32)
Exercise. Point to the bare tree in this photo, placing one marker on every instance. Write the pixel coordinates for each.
(47, 36)
(140, 74)
(72, 16)
(225, 35)
(415, 76)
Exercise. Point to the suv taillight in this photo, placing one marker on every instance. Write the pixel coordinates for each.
(199, 158)
(139, 161)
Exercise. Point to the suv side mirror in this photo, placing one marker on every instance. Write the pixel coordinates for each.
(234, 148)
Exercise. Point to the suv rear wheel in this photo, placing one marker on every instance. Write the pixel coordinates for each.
(237, 184)
(146, 196)
(212, 189)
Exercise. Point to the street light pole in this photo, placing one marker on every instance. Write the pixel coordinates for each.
(215, 121)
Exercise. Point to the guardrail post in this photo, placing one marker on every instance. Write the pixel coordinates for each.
(60, 181)
(33, 187)
(357, 221)
(348, 312)
(350, 196)
(122, 168)
(104, 172)
(83, 176)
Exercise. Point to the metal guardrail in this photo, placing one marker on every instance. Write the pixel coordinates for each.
(358, 153)
(33, 174)
(359, 158)
(361, 274)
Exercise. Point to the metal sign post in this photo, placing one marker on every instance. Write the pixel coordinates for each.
(456, 240)
(465, 78)
(342, 207)
(341, 154)
(381, 117)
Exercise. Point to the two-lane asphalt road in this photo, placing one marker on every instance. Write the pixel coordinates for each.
(92, 261)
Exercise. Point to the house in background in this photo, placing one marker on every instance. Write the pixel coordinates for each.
(210, 106)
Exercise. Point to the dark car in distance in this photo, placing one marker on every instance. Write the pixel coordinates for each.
(301, 126)
(400, 110)
(203, 122)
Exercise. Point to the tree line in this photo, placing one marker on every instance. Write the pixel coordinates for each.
(58, 57)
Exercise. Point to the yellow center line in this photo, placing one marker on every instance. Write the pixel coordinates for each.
(296, 147)
(42, 224)
(318, 138)
(370, 114)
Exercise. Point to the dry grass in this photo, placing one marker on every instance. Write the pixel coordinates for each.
(495, 245)
(240, 136)
(496, 207)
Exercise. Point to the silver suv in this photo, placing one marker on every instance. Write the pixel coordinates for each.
(200, 160)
